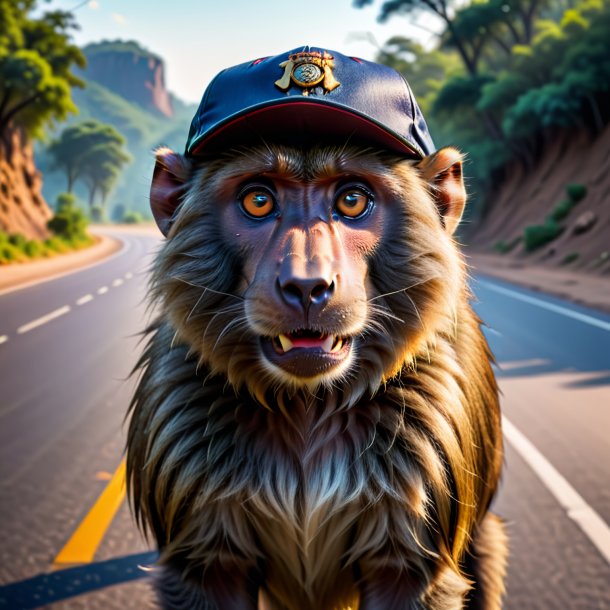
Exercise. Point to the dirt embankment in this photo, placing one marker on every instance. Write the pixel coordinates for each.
(22, 207)
(528, 197)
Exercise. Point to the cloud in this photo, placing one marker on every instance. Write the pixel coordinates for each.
(118, 18)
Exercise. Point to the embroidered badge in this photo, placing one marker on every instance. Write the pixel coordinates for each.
(307, 70)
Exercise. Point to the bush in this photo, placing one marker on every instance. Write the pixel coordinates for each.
(17, 240)
(561, 210)
(9, 253)
(16, 248)
(536, 236)
(69, 223)
(55, 244)
(132, 217)
(34, 249)
(576, 192)
(504, 247)
(65, 200)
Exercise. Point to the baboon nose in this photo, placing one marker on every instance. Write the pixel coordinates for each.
(305, 292)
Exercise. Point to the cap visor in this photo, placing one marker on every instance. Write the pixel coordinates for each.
(296, 122)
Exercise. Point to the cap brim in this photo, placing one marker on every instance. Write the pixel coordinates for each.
(300, 121)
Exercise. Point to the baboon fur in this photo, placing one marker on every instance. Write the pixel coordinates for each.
(368, 489)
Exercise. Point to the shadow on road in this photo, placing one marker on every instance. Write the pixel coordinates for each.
(54, 587)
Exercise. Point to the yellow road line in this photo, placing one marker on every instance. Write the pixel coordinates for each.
(84, 542)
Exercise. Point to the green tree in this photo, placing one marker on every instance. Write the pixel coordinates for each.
(425, 70)
(470, 29)
(82, 146)
(102, 166)
(36, 57)
(93, 152)
(67, 152)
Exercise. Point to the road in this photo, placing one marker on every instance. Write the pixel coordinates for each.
(67, 347)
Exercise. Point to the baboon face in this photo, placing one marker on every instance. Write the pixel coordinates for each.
(290, 268)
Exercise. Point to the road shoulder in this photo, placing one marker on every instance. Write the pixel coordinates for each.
(20, 275)
(577, 287)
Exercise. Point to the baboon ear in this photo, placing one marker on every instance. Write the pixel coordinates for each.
(443, 172)
(169, 181)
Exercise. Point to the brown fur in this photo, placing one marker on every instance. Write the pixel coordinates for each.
(366, 488)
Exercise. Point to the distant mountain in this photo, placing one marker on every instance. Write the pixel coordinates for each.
(125, 88)
(131, 72)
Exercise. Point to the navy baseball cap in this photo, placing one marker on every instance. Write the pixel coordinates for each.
(309, 92)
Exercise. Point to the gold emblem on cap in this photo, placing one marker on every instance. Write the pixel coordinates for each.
(308, 69)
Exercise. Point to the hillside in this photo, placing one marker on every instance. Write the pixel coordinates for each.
(528, 198)
(22, 207)
(125, 88)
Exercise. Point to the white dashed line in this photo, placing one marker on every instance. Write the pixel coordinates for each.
(40, 321)
(593, 526)
(65, 309)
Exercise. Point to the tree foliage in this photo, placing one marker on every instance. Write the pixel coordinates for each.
(93, 152)
(424, 70)
(528, 69)
(36, 57)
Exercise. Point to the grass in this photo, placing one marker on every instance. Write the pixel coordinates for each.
(16, 248)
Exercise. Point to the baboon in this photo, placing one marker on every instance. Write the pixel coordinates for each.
(316, 425)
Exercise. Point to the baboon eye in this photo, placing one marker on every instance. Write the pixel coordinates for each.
(257, 202)
(354, 202)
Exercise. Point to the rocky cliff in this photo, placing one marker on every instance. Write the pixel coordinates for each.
(130, 71)
(22, 207)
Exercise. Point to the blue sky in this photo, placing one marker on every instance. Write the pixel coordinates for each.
(198, 38)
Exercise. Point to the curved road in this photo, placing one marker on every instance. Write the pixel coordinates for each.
(67, 347)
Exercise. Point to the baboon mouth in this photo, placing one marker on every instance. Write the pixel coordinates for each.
(305, 352)
(308, 339)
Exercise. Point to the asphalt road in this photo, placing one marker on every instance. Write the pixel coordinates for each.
(67, 347)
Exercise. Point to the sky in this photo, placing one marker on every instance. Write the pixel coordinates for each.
(198, 38)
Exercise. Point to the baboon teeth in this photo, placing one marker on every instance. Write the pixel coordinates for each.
(337, 345)
(285, 342)
(331, 344)
(327, 344)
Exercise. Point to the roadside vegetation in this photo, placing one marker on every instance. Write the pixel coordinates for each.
(536, 236)
(69, 233)
(38, 76)
(142, 128)
(504, 77)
